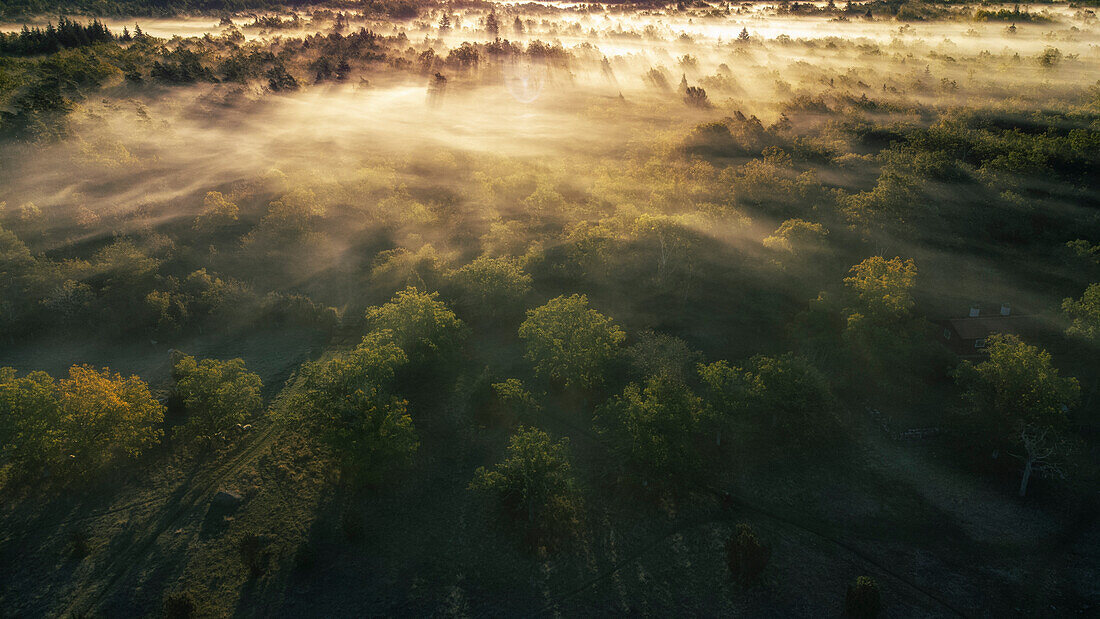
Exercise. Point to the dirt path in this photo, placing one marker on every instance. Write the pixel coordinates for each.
(192, 496)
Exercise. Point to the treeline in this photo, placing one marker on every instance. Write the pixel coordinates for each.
(36, 97)
(1014, 15)
(95, 421)
(11, 9)
(67, 34)
(122, 289)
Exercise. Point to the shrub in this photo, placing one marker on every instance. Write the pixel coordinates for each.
(179, 605)
(863, 600)
(746, 556)
(253, 555)
(79, 545)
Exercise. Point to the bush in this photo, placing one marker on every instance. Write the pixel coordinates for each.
(179, 605)
(79, 545)
(863, 600)
(253, 555)
(746, 556)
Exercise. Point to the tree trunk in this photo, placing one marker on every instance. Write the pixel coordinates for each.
(1025, 478)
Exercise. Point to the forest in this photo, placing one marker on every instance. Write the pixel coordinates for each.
(419, 308)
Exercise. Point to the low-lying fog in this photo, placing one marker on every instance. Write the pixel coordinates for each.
(620, 73)
(608, 87)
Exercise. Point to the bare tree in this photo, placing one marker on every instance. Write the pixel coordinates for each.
(1041, 450)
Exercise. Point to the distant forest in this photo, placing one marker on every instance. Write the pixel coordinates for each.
(12, 9)
(905, 10)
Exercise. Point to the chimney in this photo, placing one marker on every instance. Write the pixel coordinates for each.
(1006, 309)
(975, 310)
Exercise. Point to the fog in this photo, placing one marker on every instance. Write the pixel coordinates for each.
(605, 94)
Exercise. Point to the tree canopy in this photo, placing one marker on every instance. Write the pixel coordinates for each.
(569, 342)
(29, 416)
(492, 285)
(106, 417)
(423, 326)
(85, 423)
(534, 484)
(883, 286)
(217, 395)
(784, 393)
(652, 428)
(348, 401)
(1018, 383)
(1084, 314)
(1016, 398)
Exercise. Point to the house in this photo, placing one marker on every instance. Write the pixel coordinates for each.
(967, 336)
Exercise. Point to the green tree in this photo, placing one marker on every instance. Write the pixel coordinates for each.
(797, 236)
(288, 227)
(29, 415)
(791, 396)
(492, 24)
(348, 402)
(514, 400)
(1017, 397)
(217, 212)
(883, 286)
(726, 392)
(123, 274)
(424, 327)
(17, 273)
(660, 354)
(652, 428)
(216, 394)
(492, 286)
(534, 484)
(673, 245)
(15, 260)
(1084, 314)
(568, 342)
(863, 600)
